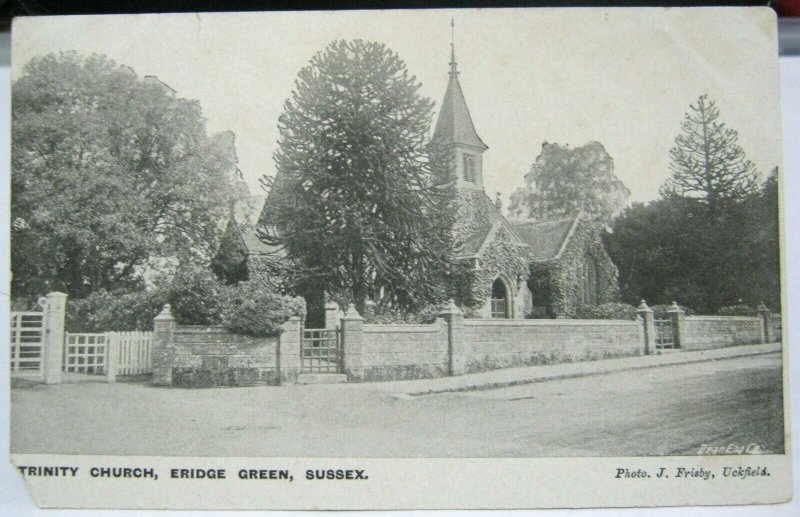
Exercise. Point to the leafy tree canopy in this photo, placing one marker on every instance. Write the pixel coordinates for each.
(360, 198)
(109, 169)
(564, 180)
(711, 241)
(673, 249)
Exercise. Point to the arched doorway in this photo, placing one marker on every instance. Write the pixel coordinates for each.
(500, 301)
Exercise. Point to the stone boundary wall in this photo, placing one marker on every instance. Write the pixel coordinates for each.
(213, 356)
(202, 356)
(395, 352)
(194, 356)
(491, 344)
(704, 332)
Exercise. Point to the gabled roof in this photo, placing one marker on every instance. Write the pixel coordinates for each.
(246, 213)
(454, 125)
(247, 210)
(475, 242)
(547, 239)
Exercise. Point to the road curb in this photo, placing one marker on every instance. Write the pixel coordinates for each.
(545, 378)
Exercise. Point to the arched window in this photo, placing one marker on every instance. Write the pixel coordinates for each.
(589, 282)
(501, 306)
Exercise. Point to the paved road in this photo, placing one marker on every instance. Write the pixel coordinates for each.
(666, 410)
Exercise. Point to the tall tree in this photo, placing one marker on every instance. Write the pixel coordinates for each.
(673, 249)
(108, 171)
(564, 180)
(359, 201)
(707, 163)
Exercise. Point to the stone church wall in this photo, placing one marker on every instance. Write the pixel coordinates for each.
(565, 273)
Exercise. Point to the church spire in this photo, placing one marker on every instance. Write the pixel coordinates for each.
(454, 124)
(453, 64)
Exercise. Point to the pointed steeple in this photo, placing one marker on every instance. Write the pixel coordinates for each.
(454, 124)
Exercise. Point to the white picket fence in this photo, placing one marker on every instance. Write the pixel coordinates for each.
(109, 353)
(134, 352)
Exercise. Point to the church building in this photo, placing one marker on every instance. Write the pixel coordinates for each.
(514, 269)
(518, 268)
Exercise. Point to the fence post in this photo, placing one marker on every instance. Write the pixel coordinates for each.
(55, 308)
(288, 357)
(352, 341)
(455, 339)
(112, 354)
(766, 327)
(646, 313)
(332, 316)
(163, 336)
(676, 316)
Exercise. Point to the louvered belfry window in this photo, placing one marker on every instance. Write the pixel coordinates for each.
(469, 168)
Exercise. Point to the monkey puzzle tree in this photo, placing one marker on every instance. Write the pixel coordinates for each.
(707, 163)
(360, 198)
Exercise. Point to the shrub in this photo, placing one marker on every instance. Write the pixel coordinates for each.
(606, 311)
(388, 315)
(195, 295)
(250, 308)
(104, 311)
(660, 311)
(738, 310)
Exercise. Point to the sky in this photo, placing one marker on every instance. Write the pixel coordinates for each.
(622, 77)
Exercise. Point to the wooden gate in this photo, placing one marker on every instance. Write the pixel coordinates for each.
(85, 353)
(665, 334)
(27, 341)
(321, 351)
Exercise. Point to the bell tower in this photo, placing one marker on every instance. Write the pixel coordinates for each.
(455, 130)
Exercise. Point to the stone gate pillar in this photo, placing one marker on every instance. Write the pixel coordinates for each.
(456, 359)
(55, 309)
(288, 361)
(646, 314)
(163, 336)
(677, 318)
(352, 342)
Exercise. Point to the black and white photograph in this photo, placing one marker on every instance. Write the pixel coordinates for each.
(434, 235)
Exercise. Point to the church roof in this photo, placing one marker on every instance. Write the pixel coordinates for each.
(494, 220)
(454, 124)
(547, 238)
(246, 213)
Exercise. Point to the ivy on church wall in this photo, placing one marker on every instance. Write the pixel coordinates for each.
(557, 282)
(502, 256)
(471, 214)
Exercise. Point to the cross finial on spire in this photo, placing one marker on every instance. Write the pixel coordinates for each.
(453, 69)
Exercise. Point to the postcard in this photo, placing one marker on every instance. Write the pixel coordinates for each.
(409, 259)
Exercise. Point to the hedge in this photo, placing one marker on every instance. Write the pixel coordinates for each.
(249, 308)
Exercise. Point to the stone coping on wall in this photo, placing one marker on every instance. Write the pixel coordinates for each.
(217, 329)
(404, 327)
(549, 323)
(723, 318)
